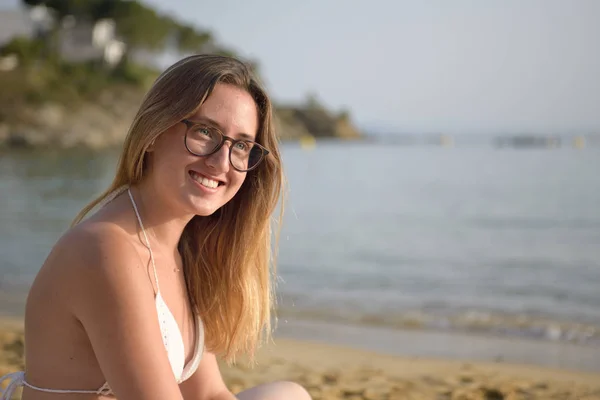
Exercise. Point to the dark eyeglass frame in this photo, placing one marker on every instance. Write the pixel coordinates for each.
(189, 124)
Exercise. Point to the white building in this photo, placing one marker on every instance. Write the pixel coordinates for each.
(79, 41)
(85, 41)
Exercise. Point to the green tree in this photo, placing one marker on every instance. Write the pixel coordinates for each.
(189, 39)
(141, 26)
(312, 101)
(64, 7)
(25, 49)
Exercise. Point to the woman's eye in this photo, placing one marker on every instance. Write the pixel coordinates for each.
(242, 146)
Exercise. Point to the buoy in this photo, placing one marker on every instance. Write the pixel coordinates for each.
(446, 141)
(579, 142)
(308, 142)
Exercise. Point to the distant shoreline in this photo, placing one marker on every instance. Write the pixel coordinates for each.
(104, 123)
(447, 345)
(458, 347)
(550, 330)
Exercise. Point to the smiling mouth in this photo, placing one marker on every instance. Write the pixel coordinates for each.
(204, 181)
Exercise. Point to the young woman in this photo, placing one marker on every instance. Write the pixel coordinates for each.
(173, 267)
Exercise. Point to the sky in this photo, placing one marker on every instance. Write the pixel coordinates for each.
(460, 66)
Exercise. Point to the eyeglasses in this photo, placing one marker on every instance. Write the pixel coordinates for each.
(203, 140)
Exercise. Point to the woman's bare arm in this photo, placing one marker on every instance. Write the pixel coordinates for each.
(206, 383)
(111, 295)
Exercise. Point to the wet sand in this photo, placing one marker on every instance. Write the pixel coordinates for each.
(447, 345)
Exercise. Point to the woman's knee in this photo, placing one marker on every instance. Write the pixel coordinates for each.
(280, 390)
(295, 391)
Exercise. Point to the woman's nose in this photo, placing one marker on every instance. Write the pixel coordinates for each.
(220, 159)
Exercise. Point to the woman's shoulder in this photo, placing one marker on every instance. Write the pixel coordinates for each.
(91, 260)
(92, 251)
(93, 242)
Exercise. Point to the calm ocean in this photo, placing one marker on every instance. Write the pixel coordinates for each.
(474, 239)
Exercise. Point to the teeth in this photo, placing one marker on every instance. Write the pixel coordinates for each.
(204, 181)
(209, 183)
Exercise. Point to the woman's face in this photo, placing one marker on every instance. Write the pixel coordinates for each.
(204, 184)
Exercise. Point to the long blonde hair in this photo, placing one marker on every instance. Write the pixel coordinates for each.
(227, 260)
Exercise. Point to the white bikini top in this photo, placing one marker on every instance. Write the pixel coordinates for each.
(171, 335)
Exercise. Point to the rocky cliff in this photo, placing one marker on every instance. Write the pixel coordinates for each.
(104, 123)
(310, 121)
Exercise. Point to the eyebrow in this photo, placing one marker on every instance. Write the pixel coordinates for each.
(210, 121)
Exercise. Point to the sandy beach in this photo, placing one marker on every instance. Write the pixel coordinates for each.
(332, 372)
(338, 372)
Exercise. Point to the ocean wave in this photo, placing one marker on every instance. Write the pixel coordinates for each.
(471, 321)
